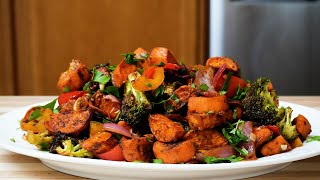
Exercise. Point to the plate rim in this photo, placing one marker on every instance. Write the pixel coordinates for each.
(152, 166)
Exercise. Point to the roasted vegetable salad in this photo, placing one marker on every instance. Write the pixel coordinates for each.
(152, 108)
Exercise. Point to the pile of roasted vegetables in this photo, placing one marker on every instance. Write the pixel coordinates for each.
(152, 108)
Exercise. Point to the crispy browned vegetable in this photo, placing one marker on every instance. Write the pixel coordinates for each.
(69, 122)
(208, 104)
(276, 146)
(202, 121)
(75, 77)
(247, 130)
(221, 152)
(106, 104)
(206, 140)
(120, 74)
(262, 134)
(173, 153)
(141, 54)
(164, 129)
(161, 54)
(182, 95)
(95, 127)
(136, 149)
(217, 62)
(36, 125)
(303, 126)
(296, 143)
(204, 75)
(99, 143)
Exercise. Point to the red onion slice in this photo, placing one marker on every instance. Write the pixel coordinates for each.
(115, 128)
(218, 74)
(112, 98)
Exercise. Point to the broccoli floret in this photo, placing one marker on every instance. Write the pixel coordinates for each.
(42, 140)
(67, 146)
(135, 105)
(287, 130)
(260, 102)
(69, 149)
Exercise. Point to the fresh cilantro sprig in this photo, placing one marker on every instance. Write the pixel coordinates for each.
(37, 113)
(233, 133)
(100, 77)
(157, 161)
(226, 83)
(204, 87)
(129, 58)
(112, 90)
(241, 93)
(212, 160)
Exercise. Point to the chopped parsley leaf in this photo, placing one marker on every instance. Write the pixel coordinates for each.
(99, 77)
(112, 67)
(159, 91)
(12, 140)
(161, 64)
(129, 58)
(148, 84)
(113, 91)
(212, 160)
(157, 161)
(225, 85)
(204, 87)
(67, 89)
(35, 114)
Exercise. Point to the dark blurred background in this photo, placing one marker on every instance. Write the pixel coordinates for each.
(38, 38)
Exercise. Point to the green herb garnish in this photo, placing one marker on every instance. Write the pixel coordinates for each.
(112, 67)
(12, 140)
(240, 94)
(148, 84)
(233, 133)
(161, 64)
(204, 87)
(313, 138)
(226, 83)
(159, 91)
(130, 59)
(99, 77)
(66, 89)
(113, 91)
(212, 160)
(157, 161)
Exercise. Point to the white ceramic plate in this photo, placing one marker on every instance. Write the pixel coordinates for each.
(101, 169)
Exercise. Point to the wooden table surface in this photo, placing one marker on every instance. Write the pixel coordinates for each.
(16, 166)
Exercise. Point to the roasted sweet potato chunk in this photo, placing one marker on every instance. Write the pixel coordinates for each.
(173, 153)
(100, 142)
(207, 104)
(303, 126)
(276, 146)
(164, 129)
(203, 121)
(136, 149)
(69, 122)
(161, 54)
(108, 105)
(206, 139)
(262, 134)
(75, 77)
(217, 62)
(120, 74)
